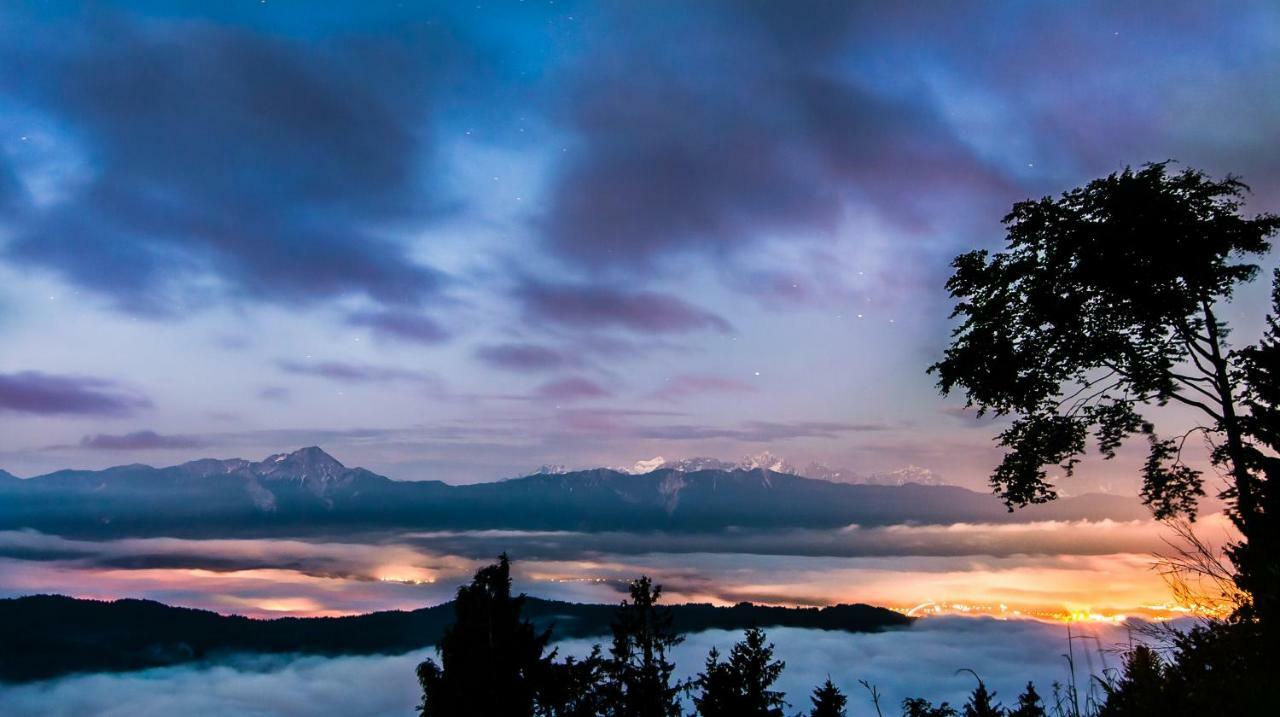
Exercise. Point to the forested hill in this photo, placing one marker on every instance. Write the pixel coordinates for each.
(46, 636)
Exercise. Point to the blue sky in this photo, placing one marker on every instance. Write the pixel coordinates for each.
(459, 240)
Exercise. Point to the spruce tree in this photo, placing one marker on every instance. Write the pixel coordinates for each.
(491, 659)
(639, 671)
(740, 686)
(1141, 689)
(828, 701)
(919, 707)
(1029, 704)
(982, 703)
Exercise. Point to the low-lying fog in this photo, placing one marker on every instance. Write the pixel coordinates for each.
(919, 661)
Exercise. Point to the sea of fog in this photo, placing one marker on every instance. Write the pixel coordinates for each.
(1034, 568)
(1100, 567)
(918, 661)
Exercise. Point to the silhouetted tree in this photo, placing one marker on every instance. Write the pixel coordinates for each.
(739, 687)
(1258, 558)
(918, 707)
(1029, 704)
(490, 658)
(572, 688)
(1105, 302)
(639, 673)
(1140, 689)
(981, 703)
(828, 701)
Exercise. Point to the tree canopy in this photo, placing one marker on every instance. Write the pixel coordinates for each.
(1102, 303)
(740, 686)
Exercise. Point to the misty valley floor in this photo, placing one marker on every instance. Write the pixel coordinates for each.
(921, 660)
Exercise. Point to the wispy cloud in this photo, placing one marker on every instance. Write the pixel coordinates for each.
(355, 372)
(140, 441)
(689, 385)
(35, 392)
(584, 306)
(572, 389)
(401, 325)
(521, 357)
(760, 431)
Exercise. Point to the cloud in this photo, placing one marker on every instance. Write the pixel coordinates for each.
(760, 431)
(140, 441)
(354, 372)
(266, 686)
(521, 357)
(918, 661)
(743, 129)
(572, 389)
(402, 325)
(270, 165)
(582, 306)
(40, 393)
(1006, 540)
(697, 384)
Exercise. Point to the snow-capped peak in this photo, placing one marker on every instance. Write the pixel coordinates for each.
(309, 464)
(649, 466)
(768, 461)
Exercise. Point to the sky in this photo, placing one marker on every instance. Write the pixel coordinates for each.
(460, 240)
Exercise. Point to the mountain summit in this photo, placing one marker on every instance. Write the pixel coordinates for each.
(305, 465)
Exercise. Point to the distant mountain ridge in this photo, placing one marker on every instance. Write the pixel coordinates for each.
(769, 461)
(309, 490)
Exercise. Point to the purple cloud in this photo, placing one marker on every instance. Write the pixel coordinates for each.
(263, 159)
(599, 307)
(49, 394)
(697, 384)
(523, 357)
(759, 431)
(711, 145)
(401, 324)
(354, 373)
(572, 389)
(139, 441)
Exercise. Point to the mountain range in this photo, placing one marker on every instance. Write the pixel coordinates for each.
(769, 461)
(309, 490)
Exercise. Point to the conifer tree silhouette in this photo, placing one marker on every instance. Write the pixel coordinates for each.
(1140, 689)
(828, 701)
(919, 707)
(491, 659)
(981, 701)
(639, 670)
(1029, 704)
(739, 687)
(573, 688)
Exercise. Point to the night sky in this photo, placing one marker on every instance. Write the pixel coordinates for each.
(460, 240)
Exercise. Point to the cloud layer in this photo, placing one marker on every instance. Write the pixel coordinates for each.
(919, 661)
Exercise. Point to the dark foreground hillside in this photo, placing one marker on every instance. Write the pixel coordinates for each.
(46, 636)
